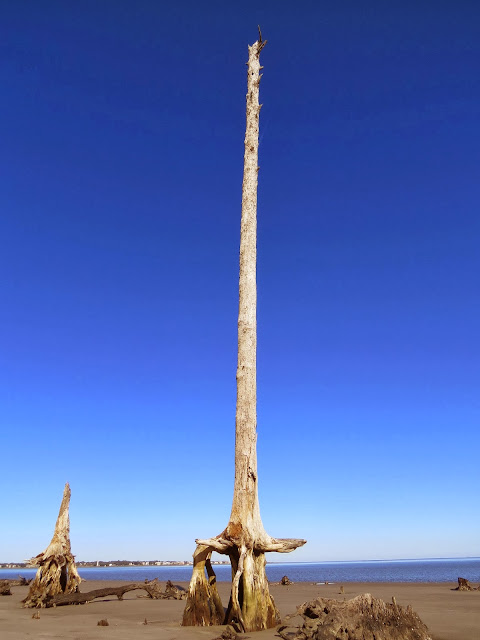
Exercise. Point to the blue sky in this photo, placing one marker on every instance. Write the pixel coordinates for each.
(122, 128)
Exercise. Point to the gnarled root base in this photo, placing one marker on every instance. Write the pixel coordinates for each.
(55, 576)
(204, 606)
(363, 617)
(5, 588)
(251, 607)
(57, 572)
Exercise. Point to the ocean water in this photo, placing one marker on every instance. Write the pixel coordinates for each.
(429, 570)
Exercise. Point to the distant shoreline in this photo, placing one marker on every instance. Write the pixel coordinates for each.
(105, 564)
(427, 570)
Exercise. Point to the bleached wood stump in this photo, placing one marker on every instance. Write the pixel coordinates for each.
(57, 572)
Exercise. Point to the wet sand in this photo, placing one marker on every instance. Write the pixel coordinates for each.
(450, 615)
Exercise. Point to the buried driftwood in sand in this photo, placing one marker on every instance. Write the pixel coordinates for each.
(5, 588)
(21, 582)
(244, 540)
(153, 589)
(361, 618)
(6, 584)
(464, 585)
(230, 634)
(57, 572)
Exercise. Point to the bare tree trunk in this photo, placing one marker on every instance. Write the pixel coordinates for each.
(244, 540)
(57, 572)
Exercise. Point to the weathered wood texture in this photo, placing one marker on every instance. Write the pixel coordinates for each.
(152, 588)
(244, 540)
(57, 572)
(5, 588)
(204, 606)
(464, 585)
(361, 618)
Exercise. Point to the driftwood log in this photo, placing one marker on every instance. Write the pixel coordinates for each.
(21, 582)
(361, 618)
(152, 588)
(464, 585)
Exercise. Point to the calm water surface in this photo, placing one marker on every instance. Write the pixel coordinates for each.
(441, 570)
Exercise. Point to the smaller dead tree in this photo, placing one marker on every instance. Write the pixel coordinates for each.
(57, 572)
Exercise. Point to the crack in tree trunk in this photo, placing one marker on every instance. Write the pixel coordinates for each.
(244, 540)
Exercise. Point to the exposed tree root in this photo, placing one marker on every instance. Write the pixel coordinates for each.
(204, 606)
(5, 588)
(361, 618)
(464, 585)
(251, 606)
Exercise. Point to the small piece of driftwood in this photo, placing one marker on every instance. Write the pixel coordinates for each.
(464, 585)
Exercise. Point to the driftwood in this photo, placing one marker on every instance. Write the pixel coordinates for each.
(152, 588)
(173, 592)
(6, 584)
(230, 634)
(21, 582)
(361, 618)
(5, 588)
(464, 585)
(57, 573)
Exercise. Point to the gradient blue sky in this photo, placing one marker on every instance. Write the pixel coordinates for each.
(122, 128)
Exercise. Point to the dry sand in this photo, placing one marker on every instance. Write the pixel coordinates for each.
(450, 615)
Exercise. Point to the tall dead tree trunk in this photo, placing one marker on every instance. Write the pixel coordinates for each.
(57, 572)
(244, 540)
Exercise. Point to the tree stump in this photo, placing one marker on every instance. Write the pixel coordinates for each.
(464, 585)
(5, 588)
(361, 618)
(57, 572)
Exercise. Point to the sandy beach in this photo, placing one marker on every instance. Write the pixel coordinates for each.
(450, 615)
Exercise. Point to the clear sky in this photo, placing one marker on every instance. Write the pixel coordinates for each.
(121, 154)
